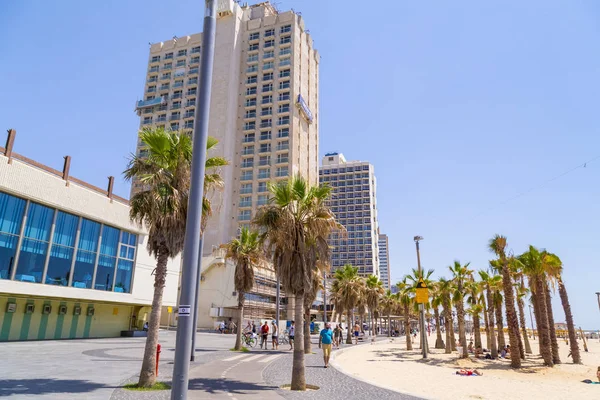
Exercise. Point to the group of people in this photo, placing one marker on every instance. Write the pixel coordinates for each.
(274, 330)
(230, 327)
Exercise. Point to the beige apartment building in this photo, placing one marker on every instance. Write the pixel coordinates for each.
(264, 112)
(355, 206)
(384, 261)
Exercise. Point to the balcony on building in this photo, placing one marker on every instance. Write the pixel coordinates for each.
(141, 104)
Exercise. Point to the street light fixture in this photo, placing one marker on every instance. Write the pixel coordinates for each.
(421, 306)
(598, 295)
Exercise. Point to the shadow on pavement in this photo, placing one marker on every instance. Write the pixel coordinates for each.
(215, 385)
(28, 387)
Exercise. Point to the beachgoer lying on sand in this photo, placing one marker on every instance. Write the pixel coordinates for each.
(469, 372)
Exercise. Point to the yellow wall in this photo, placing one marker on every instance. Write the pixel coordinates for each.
(108, 320)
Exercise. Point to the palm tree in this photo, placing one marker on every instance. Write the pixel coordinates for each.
(488, 281)
(533, 267)
(436, 302)
(349, 288)
(461, 273)
(373, 292)
(550, 263)
(162, 207)
(495, 269)
(247, 254)
(406, 299)
(296, 225)
(564, 298)
(475, 310)
(445, 289)
(483, 302)
(497, 245)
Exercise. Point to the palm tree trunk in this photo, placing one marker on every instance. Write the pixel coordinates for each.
(447, 322)
(487, 324)
(439, 342)
(521, 304)
(307, 344)
(148, 372)
(462, 336)
(349, 323)
(238, 335)
(298, 373)
(452, 334)
(536, 311)
(409, 345)
(389, 326)
(477, 328)
(552, 328)
(519, 338)
(564, 298)
(511, 318)
(500, 326)
(492, 335)
(543, 330)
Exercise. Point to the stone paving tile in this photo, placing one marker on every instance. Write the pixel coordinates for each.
(334, 385)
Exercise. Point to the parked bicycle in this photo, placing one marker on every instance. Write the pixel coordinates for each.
(284, 338)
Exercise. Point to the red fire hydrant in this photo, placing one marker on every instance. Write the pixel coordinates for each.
(157, 357)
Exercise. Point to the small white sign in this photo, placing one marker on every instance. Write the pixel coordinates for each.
(184, 311)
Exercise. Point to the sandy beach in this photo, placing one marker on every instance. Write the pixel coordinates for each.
(388, 364)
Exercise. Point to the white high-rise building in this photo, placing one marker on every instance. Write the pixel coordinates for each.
(355, 206)
(264, 112)
(384, 261)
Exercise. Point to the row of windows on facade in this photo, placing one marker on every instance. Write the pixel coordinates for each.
(345, 177)
(338, 238)
(178, 94)
(267, 99)
(267, 123)
(248, 188)
(357, 262)
(42, 245)
(167, 86)
(282, 158)
(269, 32)
(341, 170)
(266, 111)
(267, 87)
(356, 214)
(174, 126)
(179, 73)
(194, 62)
(268, 43)
(349, 254)
(268, 65)
(180, 53)
(366, 206)
(263, 173)
(268, 76)
(351, 242)
(365, 222)
(282, 145)
(269, 54)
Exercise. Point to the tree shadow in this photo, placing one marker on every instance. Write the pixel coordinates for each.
(215, 385)
(28, 387)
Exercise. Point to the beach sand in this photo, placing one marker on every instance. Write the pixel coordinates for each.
(390, 365)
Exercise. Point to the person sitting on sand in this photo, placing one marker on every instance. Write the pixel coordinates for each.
(470, 348)
(468, 372)
(504, 352)
(478, 352)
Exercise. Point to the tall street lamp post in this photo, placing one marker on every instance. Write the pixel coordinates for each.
(421, 306)
(192, 247)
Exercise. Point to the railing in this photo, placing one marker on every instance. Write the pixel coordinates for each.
(150, 103)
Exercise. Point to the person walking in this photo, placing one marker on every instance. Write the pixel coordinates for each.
(264, 335)
(292, 332)
(274, 336)
(356, 333)
(325, 341)
(337, 334)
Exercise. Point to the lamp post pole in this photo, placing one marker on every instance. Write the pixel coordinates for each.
(421, 306)
(192, 247)
(324, 297)
(531, 317)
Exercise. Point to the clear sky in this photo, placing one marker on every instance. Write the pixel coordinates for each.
(460, 106)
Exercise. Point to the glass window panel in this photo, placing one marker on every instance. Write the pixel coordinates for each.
(39, 222)
(123, 278)
(132, 239)
(8, 249)
(84, 268)
(88, 238)
(125, 237)
(65, 229)
(11, 213)
(123, 252)
(131, 253)
(31, 261)
(110, 241)
(59, 265)
(105, 273)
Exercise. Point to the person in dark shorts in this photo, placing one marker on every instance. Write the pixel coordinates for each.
(292, 332)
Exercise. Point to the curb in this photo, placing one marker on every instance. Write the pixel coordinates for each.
(359, 378)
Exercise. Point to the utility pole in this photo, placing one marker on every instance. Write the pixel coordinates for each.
(421, 306)
(324, 296)
(277, 297)
(192, 247)
(532, 327)
(196, 299)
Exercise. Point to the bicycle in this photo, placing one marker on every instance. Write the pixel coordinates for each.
(250, 340)
(284, 338)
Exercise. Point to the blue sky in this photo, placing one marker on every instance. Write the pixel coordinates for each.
(459, 105)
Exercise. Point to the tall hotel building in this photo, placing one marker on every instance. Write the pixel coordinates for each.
(384, 261)
(264, 113)
(354, 205)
